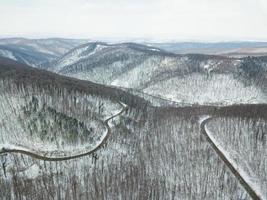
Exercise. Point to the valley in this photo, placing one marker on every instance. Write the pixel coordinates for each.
(123, 121)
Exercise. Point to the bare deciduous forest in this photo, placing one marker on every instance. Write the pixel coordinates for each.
(164, 126)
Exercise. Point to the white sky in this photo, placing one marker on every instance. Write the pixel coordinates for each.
(153, 19)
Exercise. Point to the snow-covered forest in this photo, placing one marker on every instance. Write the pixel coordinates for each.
(140, 135)
(152, 157)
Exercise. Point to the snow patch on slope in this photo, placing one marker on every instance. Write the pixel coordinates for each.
(154, 49)
(7, 54)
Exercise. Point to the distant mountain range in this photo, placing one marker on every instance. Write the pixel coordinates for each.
(231, 49)
(36, 51)
(39, 52)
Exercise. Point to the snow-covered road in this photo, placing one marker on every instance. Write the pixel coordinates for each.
(43, 156)
(237, 170)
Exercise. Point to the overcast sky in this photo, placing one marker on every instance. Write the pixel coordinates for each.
(218, 20)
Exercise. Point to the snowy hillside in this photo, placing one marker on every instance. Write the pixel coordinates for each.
(91, 58)
(191, 79)
(198, 89)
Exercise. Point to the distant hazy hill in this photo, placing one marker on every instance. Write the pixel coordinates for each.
(36, 51)
(232, 49)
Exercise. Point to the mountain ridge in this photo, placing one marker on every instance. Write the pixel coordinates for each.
(156, 71)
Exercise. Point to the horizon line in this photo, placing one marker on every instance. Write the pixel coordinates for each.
(141, 39)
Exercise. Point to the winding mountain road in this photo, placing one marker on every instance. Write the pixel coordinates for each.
(242, 180)
(36, 155)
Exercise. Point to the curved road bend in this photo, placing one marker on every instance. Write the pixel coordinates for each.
(239, 177)
(47, 158)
